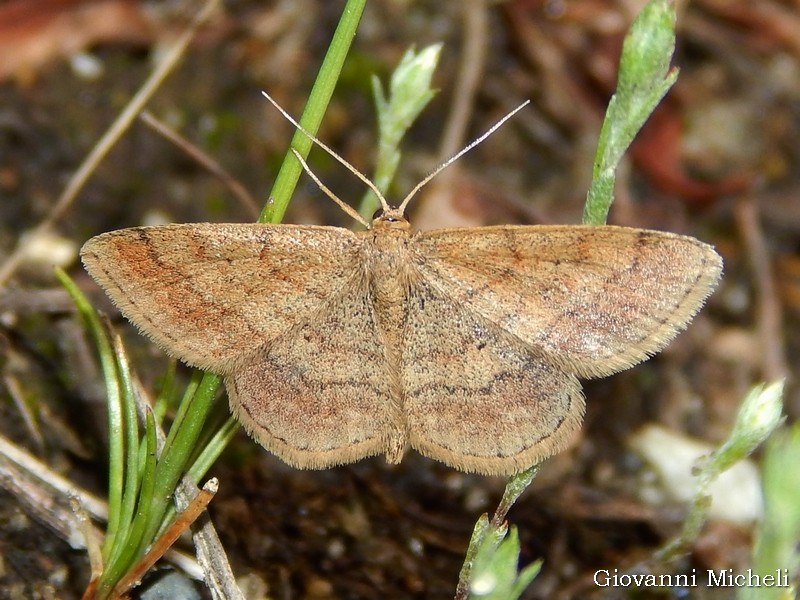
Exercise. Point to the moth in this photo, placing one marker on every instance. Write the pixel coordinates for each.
(466, 345)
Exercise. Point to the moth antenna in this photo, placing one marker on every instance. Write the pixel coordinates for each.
(364, 179)
(458, 155)
(343, 205)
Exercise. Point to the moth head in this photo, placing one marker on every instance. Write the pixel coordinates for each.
(390, 218)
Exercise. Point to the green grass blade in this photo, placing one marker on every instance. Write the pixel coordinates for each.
(409, 93)
(131, 444)
(116, 440)
(317, 104)
(127, 550)
(776, 549)
(644, 78)
(179, 447)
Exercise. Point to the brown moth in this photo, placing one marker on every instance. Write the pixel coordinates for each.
(464, 344)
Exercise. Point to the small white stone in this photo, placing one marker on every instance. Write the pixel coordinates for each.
(735, 494)
(49, 249)
(86, 66)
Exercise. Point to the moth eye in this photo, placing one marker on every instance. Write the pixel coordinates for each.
(380, 212)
